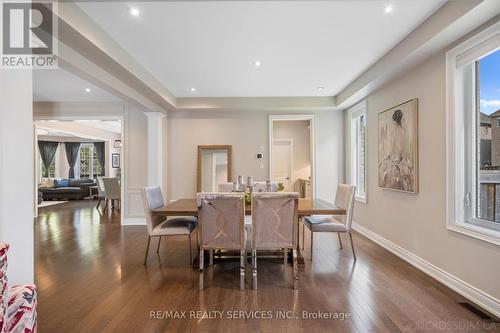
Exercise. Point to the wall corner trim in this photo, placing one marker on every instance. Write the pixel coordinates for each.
(470, 292)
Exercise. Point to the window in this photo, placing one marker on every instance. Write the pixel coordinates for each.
(85, 162)
(89, 165)
(52, 169)
(357, 119)
(473, 127)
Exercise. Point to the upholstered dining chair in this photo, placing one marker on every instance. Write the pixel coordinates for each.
(100, 191)
(221, 227)
(334, 223)
(112, 192)
(159, 227)
(275, 226)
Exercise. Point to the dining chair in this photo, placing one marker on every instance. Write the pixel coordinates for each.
(112, 192)
(221, 227)
(275, 226)
(158, 226)
(334, 223)
(100, 191)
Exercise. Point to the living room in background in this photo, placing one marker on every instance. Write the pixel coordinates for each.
(91, 144)
(357, 125)
(474, 136)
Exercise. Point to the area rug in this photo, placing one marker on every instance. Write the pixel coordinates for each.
(50, 203)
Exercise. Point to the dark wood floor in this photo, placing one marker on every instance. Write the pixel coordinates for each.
(91, 278)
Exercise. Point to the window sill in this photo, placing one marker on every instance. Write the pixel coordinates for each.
(484, 234)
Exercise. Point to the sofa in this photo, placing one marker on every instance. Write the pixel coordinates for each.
(17, 303)
(77, 189)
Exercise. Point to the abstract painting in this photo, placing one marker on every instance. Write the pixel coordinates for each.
(398, 147)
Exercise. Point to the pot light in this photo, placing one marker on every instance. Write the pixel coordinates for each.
(193, 89)
(87, 90)
(257, 63)
(320, 88)
(388, 9)
(134, 11)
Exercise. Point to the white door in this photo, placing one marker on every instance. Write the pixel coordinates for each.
(282, 163)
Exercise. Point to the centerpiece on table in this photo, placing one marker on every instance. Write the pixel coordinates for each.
(239, 186)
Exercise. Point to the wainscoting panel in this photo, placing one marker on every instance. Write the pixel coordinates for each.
(134, 210)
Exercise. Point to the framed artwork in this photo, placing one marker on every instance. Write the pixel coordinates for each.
(398, 147)
(115, 160)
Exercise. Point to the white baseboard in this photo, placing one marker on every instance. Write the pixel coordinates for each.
(472, 293)
(134, 221)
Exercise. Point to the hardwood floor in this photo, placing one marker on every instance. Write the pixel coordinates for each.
(91, 278)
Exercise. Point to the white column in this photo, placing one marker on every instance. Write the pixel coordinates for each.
(155, 149)
(17, 174)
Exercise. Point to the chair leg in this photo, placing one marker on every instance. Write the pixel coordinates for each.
(147, 250)
(158, 246)
(312, 243)
(303, 235)
(105, 204)
(98, 203)
(242, 269)
(254, 268)
(340, 240)
(285, 256)
(352, 246)
(295, 270)
(211, 257)
(190, 251)
(201, 270)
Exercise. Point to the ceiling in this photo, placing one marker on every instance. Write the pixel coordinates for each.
(212, 46)
(79, 128)
(58, 85)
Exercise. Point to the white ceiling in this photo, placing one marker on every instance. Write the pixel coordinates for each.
(212, 45)
(58, 85)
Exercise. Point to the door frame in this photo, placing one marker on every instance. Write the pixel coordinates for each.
(312, 143)
(290, 141)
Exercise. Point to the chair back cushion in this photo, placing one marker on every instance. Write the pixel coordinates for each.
(274, 220)
(345, 199)
(4, 248)
(152, 198)
(221, 220)
(111, 188)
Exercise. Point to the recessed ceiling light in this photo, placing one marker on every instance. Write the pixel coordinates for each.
(134, 11)
(388, 9)
(87, 89)
(320, 88)
(193, 89)
(257, 63)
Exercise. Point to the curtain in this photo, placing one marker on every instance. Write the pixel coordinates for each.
(47, 152)
(101, 155)
(72, 149)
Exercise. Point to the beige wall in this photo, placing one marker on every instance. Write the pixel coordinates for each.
(246, 131)
(417, 222)
(299, 132)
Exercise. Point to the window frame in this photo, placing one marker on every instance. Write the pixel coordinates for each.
(91, 147)
(462, 136)
(353, 116)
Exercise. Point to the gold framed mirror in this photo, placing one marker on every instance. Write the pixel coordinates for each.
(214, 167)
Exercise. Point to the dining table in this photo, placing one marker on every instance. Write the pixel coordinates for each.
(306, 207)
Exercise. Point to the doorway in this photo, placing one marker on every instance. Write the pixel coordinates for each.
(292, 153)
